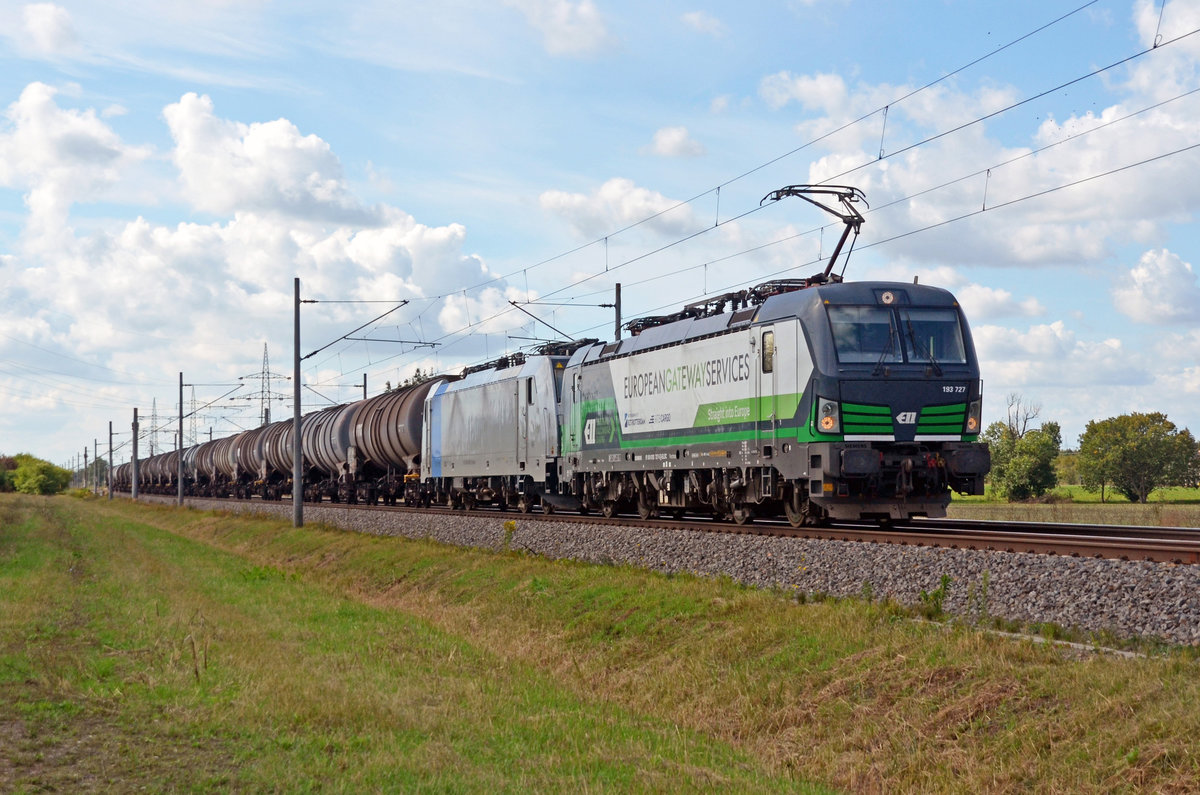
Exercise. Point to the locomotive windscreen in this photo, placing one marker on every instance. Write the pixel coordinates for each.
(932, 335)
(865, 334)
(879, 334)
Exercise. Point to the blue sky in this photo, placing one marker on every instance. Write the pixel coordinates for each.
(168, 169)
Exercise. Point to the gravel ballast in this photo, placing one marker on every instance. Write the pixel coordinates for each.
(1126, 598)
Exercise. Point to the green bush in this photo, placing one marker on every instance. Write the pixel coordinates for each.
(33, 476)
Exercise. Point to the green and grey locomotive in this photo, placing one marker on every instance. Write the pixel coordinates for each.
(814, 401)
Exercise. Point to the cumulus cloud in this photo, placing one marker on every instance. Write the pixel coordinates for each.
(704, 22)
(1051, 354)
(50, 29)
(987, 303)
(1161, 289)
(567, 28)
(616, 204)
(674, 142)
(209, 293)
(822, 91)
(263, 166)
(59, 156)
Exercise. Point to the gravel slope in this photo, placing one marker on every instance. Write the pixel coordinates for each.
(1129, 599)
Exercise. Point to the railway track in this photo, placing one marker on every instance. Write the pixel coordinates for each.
(1120, 542)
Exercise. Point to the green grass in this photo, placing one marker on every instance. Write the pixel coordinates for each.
(138, 658)
(251, 655)
(1170, 507)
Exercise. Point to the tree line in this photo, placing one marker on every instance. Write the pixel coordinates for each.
(1132, 454)
(28, 475)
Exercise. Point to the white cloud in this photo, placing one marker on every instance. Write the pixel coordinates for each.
(208, 294)
(1171, 69)
(50, 29)
(1032, 217)
(616, 204)
(488, 311)
(826, 92)
(263, 167)
(1162, 289)
(704, 22)
(567, 28)
(987, 303)
(59, 156)
(1050, 355)
(674, 142)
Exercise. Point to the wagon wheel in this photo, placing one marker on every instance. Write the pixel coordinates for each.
(742, 513)
(794, 517)
(609, 508)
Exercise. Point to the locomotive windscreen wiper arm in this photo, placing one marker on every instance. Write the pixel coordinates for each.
(879, 368)
(919, 347)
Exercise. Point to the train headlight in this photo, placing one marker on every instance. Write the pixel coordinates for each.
(828, 416)
(972, 425)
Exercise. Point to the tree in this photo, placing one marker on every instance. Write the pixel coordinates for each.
(35, 476)
(8, 465)
(1020, 414)
(1023, 459)
(1136, 453)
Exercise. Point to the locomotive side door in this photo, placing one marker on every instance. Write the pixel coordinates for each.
(524, 403)
(767, 413)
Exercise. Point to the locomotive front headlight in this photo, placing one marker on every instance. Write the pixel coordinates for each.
(828, 416)
(972, 425)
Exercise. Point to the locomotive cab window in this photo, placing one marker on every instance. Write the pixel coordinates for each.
(768, 351)
(932, 335)
(865, 334)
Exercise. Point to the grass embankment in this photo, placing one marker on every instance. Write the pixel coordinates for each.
(149, 647)
(1174, 507)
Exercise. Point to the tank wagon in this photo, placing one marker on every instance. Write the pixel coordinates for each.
(813, 399)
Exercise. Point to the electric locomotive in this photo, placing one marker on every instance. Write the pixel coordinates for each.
(813, 398)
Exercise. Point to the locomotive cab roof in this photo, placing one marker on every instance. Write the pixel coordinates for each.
(808, 303)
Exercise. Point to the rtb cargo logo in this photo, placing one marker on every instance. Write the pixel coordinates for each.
(907, 418)
(589, 432)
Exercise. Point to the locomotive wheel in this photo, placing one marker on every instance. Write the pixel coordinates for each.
(742, 513)
(609, 508)
(646, 510)
(547, 508)
(523, 504)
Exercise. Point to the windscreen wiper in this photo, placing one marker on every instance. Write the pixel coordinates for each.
(919, 347)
